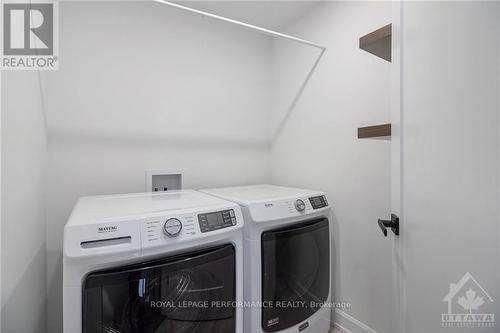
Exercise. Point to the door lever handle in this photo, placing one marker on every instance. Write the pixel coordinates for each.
(393, 224)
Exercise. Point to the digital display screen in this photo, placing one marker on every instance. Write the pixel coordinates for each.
(316, 201)
(215, 219)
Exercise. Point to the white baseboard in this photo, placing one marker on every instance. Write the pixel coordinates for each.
(345, 323)
(340, 329)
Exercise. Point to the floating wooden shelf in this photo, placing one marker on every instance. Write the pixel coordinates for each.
(378, 42)
(379, 131)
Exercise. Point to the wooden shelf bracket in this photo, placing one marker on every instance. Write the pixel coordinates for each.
(378, 42)
(379, 131)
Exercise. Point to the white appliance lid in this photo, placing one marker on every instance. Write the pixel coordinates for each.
(246, 195)
(91, 208)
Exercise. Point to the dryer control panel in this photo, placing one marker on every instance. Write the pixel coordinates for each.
(318, 202)
(263, 211)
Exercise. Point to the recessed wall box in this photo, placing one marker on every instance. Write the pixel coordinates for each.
(163, 180)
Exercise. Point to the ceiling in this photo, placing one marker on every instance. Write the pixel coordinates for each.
(273, 15)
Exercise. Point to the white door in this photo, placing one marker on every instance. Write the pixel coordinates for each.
(398, 288)
(445, 160)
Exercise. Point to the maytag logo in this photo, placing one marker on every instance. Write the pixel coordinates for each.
(111, 228)
(268, 205)
(303, 326)
(273, 321)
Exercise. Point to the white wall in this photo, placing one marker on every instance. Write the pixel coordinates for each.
(144, 86)
(150, 71)
(23, 252)
(451, 155)
(318, 149)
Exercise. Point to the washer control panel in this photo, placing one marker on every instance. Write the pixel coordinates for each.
(172, 227)
(216, 220)
(178, 226)
(300, 205)
(157, 229)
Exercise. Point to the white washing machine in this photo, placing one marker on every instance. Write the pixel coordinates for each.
(287, 253)
(153, 262)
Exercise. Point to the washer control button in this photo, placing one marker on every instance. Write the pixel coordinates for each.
(172, 227)
(300, 205)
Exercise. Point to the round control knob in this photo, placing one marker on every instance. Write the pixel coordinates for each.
(300, 205)
(172, 227)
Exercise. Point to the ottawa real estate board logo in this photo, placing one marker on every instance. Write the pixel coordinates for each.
(29, 35)
(468, 305)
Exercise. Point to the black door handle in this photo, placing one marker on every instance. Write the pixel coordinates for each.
(393, 224)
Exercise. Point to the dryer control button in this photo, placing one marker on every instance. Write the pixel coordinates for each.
(300, 205)
(172, 227)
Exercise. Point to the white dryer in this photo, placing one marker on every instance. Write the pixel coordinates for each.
(287, 271)
(153, 262)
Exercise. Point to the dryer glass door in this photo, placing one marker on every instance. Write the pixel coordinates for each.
(295, 273)
(177, 294)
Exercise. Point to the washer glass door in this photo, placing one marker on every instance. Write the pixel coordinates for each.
(184, 293)
(295, 273)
